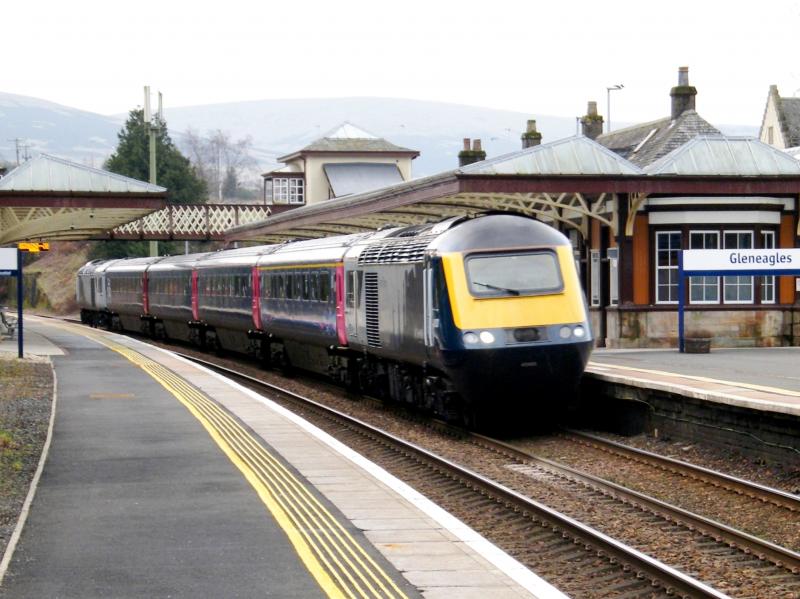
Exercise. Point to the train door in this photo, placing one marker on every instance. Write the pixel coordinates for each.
(352, 285)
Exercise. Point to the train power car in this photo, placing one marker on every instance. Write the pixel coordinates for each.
(477, 319)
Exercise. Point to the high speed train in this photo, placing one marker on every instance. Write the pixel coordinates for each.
(476, 319)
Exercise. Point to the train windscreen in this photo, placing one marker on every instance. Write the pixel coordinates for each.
(513, 274)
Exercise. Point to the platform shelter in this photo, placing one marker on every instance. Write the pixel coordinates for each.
(626, 225)
(49, 198)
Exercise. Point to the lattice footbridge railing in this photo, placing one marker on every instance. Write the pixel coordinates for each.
(192, 221)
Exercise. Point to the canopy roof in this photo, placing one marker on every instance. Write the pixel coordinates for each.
(718, 155)
(569, 181)
(53, 198)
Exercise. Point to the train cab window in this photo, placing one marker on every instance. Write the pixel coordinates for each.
(506, 275)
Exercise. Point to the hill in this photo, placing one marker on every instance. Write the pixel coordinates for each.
(44, 126)
(278, 127)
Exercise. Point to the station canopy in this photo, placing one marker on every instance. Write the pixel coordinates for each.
(569, 183)
(49, 198)
(480, 187)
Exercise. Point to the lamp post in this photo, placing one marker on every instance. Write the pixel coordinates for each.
(608, 103)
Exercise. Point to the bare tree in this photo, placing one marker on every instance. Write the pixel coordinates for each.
(219, 160)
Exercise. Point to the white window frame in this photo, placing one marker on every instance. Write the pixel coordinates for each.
(280, 190)
(768, 282)
(752, 282)
(297, 191)
(704, 281)
(669, 267)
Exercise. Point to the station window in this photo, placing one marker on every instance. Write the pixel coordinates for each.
(667, 245)
(704, 290)
(738, 290)
(768, 283)
(286, 190)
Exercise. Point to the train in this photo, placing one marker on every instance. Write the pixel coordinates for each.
(477, 319)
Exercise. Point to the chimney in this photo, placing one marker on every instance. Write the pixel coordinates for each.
(531, 137)
(682, 94)
(468, 156)
(591, 122)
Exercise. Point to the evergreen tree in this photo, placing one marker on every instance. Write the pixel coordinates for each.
(173, 171)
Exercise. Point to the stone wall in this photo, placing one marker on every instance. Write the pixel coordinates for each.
(726, 328)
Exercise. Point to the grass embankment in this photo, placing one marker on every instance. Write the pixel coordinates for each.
(58, 269)
(26, 391)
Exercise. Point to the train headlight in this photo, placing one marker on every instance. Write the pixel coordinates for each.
(565, 332)
(470, 338)
(487, 337)
(579, 331)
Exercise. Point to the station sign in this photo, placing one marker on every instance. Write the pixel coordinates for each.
(8, 259)
(34, 246)
(742, 262)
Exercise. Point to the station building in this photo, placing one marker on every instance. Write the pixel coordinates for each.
(640, 308)
(345, 161)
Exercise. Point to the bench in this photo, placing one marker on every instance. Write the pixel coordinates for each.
(7, 322)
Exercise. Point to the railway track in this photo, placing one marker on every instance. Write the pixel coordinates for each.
(575, 557)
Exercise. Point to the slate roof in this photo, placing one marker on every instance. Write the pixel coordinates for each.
(789, 116)
(349, 138)
(645, 143)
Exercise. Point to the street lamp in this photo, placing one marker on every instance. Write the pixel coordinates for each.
(608, 103)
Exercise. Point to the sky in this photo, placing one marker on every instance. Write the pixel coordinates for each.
(536, 57)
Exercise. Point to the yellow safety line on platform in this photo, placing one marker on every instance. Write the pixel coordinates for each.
(752, 387)
(323, 544)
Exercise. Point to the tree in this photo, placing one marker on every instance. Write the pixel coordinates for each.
(219, 160)
(173, 169)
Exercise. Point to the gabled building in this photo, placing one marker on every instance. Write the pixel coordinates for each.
(780, 125)
(647, 142)
(346, 161)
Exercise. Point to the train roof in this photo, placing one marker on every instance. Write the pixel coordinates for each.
(94, 266)
(179, 262)
(497, 231)
(133, 264)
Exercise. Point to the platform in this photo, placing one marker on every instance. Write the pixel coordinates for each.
(157, 487)
(765, 379)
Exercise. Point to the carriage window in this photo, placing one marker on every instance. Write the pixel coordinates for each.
(289, 287)
(298, 285)
(313, 286)
(504, 275)
(324, 287)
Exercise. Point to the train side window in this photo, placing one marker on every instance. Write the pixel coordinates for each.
(298, 285)
(351, 289)
(306, 278)
(324, 286)
(289, 286)
(313, 286)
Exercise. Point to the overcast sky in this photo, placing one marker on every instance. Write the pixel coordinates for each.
(541, 58)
